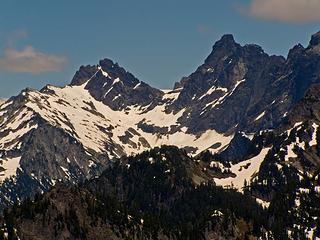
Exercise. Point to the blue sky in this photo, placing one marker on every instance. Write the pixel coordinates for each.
(158, 41)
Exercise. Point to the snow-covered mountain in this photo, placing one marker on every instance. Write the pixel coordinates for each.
(71, 133)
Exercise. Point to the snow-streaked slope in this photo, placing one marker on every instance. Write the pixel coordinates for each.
(95, 124)
(220, 100)
(295, 141)
(14, 125)
(98, 127)
(244, 171)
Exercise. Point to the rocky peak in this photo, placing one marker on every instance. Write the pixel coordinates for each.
(315, 39)
(302, 68)
(231, 87)
(223, 48)
(295, 51)
(106, 69)
(83, 74)
(227, 39)
(223, 57)
(314, 45)
(113, 70)
(114, 86)
(107, 64)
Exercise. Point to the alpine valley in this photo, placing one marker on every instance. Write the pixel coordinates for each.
(231, 152)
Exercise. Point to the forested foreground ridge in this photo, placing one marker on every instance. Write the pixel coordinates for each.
(159, 194)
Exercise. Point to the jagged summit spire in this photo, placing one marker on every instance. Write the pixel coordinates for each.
(315, 39)
(107, 63)
(225, 46)
(227, 39)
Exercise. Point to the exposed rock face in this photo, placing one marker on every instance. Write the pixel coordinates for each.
(239, 149)
(83, 74)
(242, 88)
(47, 155)
(315, 41)
(306, 109)
(238, 79)
(58, 155)
(115, 87)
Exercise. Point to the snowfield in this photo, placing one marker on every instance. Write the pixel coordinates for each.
(10, 166)
(244, 171)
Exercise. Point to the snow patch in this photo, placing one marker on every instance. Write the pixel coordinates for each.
(212, 90)
(116, 81)
(104, 73)
(314, 135)
(136, 86)
(227, 94)
(6, 104)
(171, 95)
(263, 203)
(10, 166)
(260, 116)
(244, 171)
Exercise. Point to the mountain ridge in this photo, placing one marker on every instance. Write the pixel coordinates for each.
(72, 133)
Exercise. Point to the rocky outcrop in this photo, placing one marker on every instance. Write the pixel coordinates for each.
(114, 86)
(238, 149)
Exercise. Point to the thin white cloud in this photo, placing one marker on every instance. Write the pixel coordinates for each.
(291, 11)
(30, 60)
